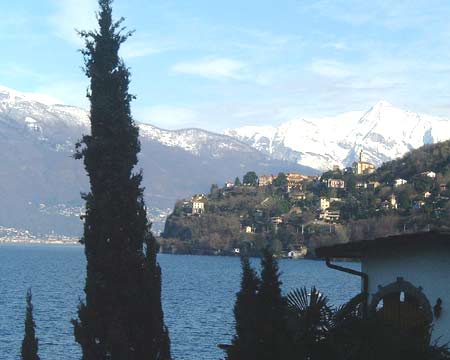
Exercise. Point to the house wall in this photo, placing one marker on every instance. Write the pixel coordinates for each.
(426, 268)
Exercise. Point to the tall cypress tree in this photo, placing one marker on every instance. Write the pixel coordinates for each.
(273, 336)
(122, 316)
(245, 341)
(30, 342)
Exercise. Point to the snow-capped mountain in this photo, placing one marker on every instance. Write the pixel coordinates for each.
(383, 133)
(40, 182)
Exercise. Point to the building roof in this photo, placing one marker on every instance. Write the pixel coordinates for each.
(357, 249)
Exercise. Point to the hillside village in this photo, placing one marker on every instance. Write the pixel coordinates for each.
(294, 213)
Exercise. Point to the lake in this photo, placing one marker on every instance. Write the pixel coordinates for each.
(198, 297)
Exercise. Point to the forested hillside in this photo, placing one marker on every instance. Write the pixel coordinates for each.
(290, 211)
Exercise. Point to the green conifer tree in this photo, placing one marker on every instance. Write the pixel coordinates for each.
(273, 336)
(250, 179)
(237, 181)
(30, 342)
(122, 316)
(245, 341)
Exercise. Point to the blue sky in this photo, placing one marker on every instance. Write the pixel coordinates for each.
(221, 64)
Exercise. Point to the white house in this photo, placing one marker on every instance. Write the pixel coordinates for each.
(198, 206)
(336, 184)
(405, 277)
(324, 203)
(430, 174)
(229, 185)
(400, 182)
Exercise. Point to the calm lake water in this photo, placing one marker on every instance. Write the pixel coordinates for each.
(198, 297)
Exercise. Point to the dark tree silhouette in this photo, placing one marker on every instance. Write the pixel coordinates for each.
(30, 342)
(273, 336)
(246, 316)
(310, 319)
(122, 316)
(250, 178)
(281, 180)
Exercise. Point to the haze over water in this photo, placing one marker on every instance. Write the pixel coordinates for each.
(198, 297)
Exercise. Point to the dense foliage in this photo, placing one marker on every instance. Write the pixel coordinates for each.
(303, 326)
(409, 194)
(122, 317)
(260, 314)
(29, 349)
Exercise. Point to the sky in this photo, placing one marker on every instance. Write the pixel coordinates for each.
(225, 64)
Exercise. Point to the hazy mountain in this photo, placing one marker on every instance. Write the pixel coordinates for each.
(40, 182)
(383, 133)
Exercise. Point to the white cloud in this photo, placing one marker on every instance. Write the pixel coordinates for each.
(212, 68)
(330, 69)
(168, 117)
(73, 15)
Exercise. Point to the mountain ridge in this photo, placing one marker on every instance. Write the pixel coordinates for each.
(40, 182)
(383, 133)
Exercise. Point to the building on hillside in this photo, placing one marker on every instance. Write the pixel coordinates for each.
(391, 203)
(361, 185)
(400, 182)
(372, 185)
(404, 278)
(297, 195)
(336, 184)
(295, 181)
(333, 200)
(266, 180)
(198, 205)
(330, 215)
(430, 174)
(312, 177)
(248, 230)
(229, 185)
(363, 167)
(418, 204)
(324, 204)
(277, 220)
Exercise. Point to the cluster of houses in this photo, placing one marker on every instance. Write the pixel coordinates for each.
(389, 204)
(325, 211)
(294, 180)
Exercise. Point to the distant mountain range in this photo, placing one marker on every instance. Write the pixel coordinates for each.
(383, 133)
(40, 182)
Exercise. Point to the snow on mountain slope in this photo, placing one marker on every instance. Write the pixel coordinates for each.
(63, 125)
(383, 133)
(195, 141)
(40, 182)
